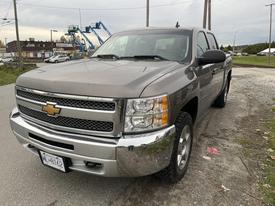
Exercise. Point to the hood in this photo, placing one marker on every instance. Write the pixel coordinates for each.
(121, 78)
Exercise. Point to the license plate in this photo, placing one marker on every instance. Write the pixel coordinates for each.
(53, 161)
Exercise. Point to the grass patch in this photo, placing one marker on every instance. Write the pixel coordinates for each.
(9, 74)
(268, 185)
(257, 61)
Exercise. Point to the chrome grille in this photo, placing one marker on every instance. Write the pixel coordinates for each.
(96, 105)
(68, 122)
(78, 114)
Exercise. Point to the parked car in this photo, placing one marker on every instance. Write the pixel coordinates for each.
(47, 60)
(57, 59)
(245, 54)
(130, 110)
(6, 59)
(261, 54)
(232, 53)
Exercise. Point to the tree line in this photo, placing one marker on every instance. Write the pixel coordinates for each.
(250, 49)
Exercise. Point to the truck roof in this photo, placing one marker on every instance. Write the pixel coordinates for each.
(170, 29)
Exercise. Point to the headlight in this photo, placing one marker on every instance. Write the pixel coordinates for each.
(146, 114)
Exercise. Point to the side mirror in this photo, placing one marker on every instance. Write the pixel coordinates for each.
(211, 57)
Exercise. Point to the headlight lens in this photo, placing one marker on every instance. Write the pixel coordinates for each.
(146, 114)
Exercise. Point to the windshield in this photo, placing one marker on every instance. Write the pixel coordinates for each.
(173, 46)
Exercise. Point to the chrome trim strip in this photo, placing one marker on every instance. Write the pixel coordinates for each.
(67, 96)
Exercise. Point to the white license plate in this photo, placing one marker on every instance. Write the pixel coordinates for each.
(53, 161)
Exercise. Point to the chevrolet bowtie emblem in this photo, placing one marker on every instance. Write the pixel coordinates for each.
(50, 109)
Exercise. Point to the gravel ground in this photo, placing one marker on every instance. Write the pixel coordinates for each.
(24, 181)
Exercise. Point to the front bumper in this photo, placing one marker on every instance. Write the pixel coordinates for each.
(130, 155)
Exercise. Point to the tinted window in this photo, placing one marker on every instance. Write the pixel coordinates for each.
(202, 45)
(212, 41)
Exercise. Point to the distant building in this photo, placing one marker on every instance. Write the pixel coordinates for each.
(39, 49)
(63, 47)
(266, 52)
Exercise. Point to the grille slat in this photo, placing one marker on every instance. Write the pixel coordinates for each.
(69, 122)
(85, 104)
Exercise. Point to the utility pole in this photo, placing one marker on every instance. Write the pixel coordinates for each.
(205, 14)
(209, 15)
(6, 41)
(80, 20)
(234, 41)
(147, 12)
(17, 34)
(270, 32)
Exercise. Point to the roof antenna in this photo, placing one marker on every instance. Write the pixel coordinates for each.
(177, 25)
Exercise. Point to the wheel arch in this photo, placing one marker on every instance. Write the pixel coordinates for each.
(191, 107)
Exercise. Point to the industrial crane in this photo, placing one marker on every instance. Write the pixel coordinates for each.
(88, 44)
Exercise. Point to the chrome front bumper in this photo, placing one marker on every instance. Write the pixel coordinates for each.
(130, 155)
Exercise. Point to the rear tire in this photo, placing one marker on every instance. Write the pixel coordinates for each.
(181, 150)
(222, 98)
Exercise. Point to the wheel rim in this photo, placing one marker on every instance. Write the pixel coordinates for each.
(225, 92)
(184, 147)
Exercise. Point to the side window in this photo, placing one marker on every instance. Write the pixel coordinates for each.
(202, 45)
(212, 41)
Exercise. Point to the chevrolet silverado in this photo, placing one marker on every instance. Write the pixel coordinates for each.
(129, 110)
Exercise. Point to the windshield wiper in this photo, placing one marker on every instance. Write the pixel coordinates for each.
(106, 56)
(145, 57)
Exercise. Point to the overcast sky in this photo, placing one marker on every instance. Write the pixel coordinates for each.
(249, 19)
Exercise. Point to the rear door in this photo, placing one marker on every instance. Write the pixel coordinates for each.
(218, 69)
(204, 74)
(62, 58)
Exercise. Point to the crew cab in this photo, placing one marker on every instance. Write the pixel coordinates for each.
(130, 110)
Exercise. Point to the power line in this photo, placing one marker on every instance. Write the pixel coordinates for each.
(6, 24)
(8, 10)
(105, 9)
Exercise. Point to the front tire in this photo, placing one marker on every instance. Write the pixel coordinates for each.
(181, 150)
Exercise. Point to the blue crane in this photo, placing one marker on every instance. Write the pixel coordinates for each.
(97, 26)
(73, 30)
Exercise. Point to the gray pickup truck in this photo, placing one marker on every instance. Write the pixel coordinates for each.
(130, 110)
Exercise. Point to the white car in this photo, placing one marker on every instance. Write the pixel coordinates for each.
(57, 59)
(6, 59)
